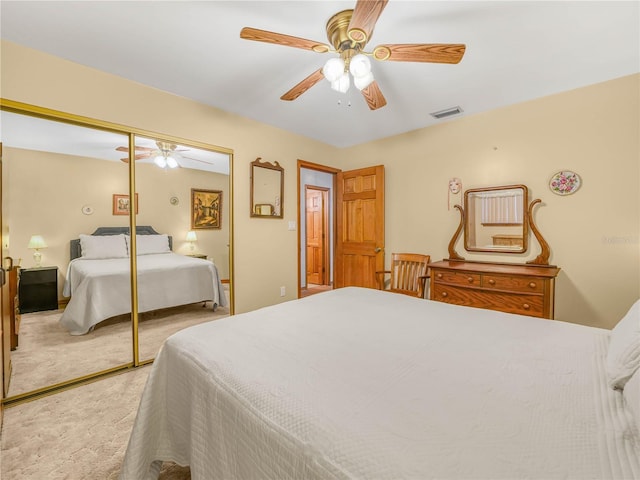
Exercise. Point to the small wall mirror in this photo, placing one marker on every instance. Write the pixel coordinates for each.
(267, 189)
(496, 219)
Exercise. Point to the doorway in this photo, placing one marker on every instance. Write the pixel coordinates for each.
(316, 217)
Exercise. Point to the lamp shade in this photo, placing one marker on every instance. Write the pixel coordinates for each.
(191, 236)
(36, 242)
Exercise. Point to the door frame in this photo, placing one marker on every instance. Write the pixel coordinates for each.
(320, 168)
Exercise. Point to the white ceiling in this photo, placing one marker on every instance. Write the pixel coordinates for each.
(516, 51)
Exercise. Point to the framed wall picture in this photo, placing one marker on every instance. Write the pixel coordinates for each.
(206, 209)
(121, 204)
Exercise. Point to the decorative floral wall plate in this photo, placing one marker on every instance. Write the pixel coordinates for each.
(565, 182)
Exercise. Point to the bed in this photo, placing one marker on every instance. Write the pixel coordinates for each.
(361, 383)
(98, 279)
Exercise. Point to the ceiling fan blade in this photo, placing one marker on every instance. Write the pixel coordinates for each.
(303, 86)
(137, 157)
(421, 52)
(126, 149)
(373, 95)
(257, 35)
(364, 18)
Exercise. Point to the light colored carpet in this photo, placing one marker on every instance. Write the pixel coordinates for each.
(77, 434)
(48, 355)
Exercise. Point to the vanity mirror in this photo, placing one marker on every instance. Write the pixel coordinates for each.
(267, 189)
(496, 219)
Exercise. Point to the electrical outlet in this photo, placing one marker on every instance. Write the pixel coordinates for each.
(283, 291)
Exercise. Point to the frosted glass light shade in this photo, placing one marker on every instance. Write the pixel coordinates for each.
(363, 82)
(191, 236)
(160, 161)
(333, 69)
(360, 66)
(341, 84)
(172, 162)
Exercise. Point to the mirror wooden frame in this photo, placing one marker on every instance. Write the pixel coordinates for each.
(509, 232)
(264, 209)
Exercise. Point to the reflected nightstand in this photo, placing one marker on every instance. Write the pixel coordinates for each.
(38, 289)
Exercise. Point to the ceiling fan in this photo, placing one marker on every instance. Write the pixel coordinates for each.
(165, 155)
(349, 31)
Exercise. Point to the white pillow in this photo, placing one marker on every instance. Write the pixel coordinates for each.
(623, 357)
(103, 246)
(150, 244)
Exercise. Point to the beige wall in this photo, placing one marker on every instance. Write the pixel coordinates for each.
(594, 234)
(53, 209)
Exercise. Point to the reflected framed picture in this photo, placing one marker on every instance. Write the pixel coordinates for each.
(121, 204)
(206, 209)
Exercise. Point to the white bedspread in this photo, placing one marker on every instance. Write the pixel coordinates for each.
(358, 383)
(101, 289)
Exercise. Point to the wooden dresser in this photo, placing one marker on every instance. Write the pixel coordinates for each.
(523, 289)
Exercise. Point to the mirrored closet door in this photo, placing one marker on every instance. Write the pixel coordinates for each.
(183, 194)
(58, 181)
(67, 212)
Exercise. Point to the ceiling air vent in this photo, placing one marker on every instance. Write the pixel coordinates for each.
(446, 113)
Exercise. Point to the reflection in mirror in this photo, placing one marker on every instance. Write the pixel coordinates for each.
(58, 183)
(496, 219)
(267, 189)
(183, 195)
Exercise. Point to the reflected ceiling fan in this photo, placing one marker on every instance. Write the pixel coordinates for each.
(165, 155)
(349, 31)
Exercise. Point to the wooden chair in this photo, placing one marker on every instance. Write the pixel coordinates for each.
(409, 274)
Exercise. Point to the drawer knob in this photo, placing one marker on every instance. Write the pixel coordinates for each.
(532, 284)
(526, 306)
(470, 279)
(492, 281)
(445, 294)
(439, 275)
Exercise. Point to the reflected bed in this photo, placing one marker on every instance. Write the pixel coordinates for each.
(99, 285)
(360, 383)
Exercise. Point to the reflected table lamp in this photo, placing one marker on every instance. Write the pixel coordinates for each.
(191, 238)
(36, 243)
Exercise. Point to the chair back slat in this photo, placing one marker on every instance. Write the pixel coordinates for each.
(406, 270)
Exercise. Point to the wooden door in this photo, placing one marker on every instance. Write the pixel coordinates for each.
(316, 205)
(360, 227)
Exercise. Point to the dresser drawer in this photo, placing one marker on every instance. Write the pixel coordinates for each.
(532, 305)
(456, 278)
(513, 284)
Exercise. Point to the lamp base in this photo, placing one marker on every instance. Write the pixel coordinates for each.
(37, 257)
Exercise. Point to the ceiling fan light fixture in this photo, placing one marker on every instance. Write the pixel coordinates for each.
(341, 84)
(363, 82)
(333, 69)
(172, 162)
(160, 161)
(360, 66)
